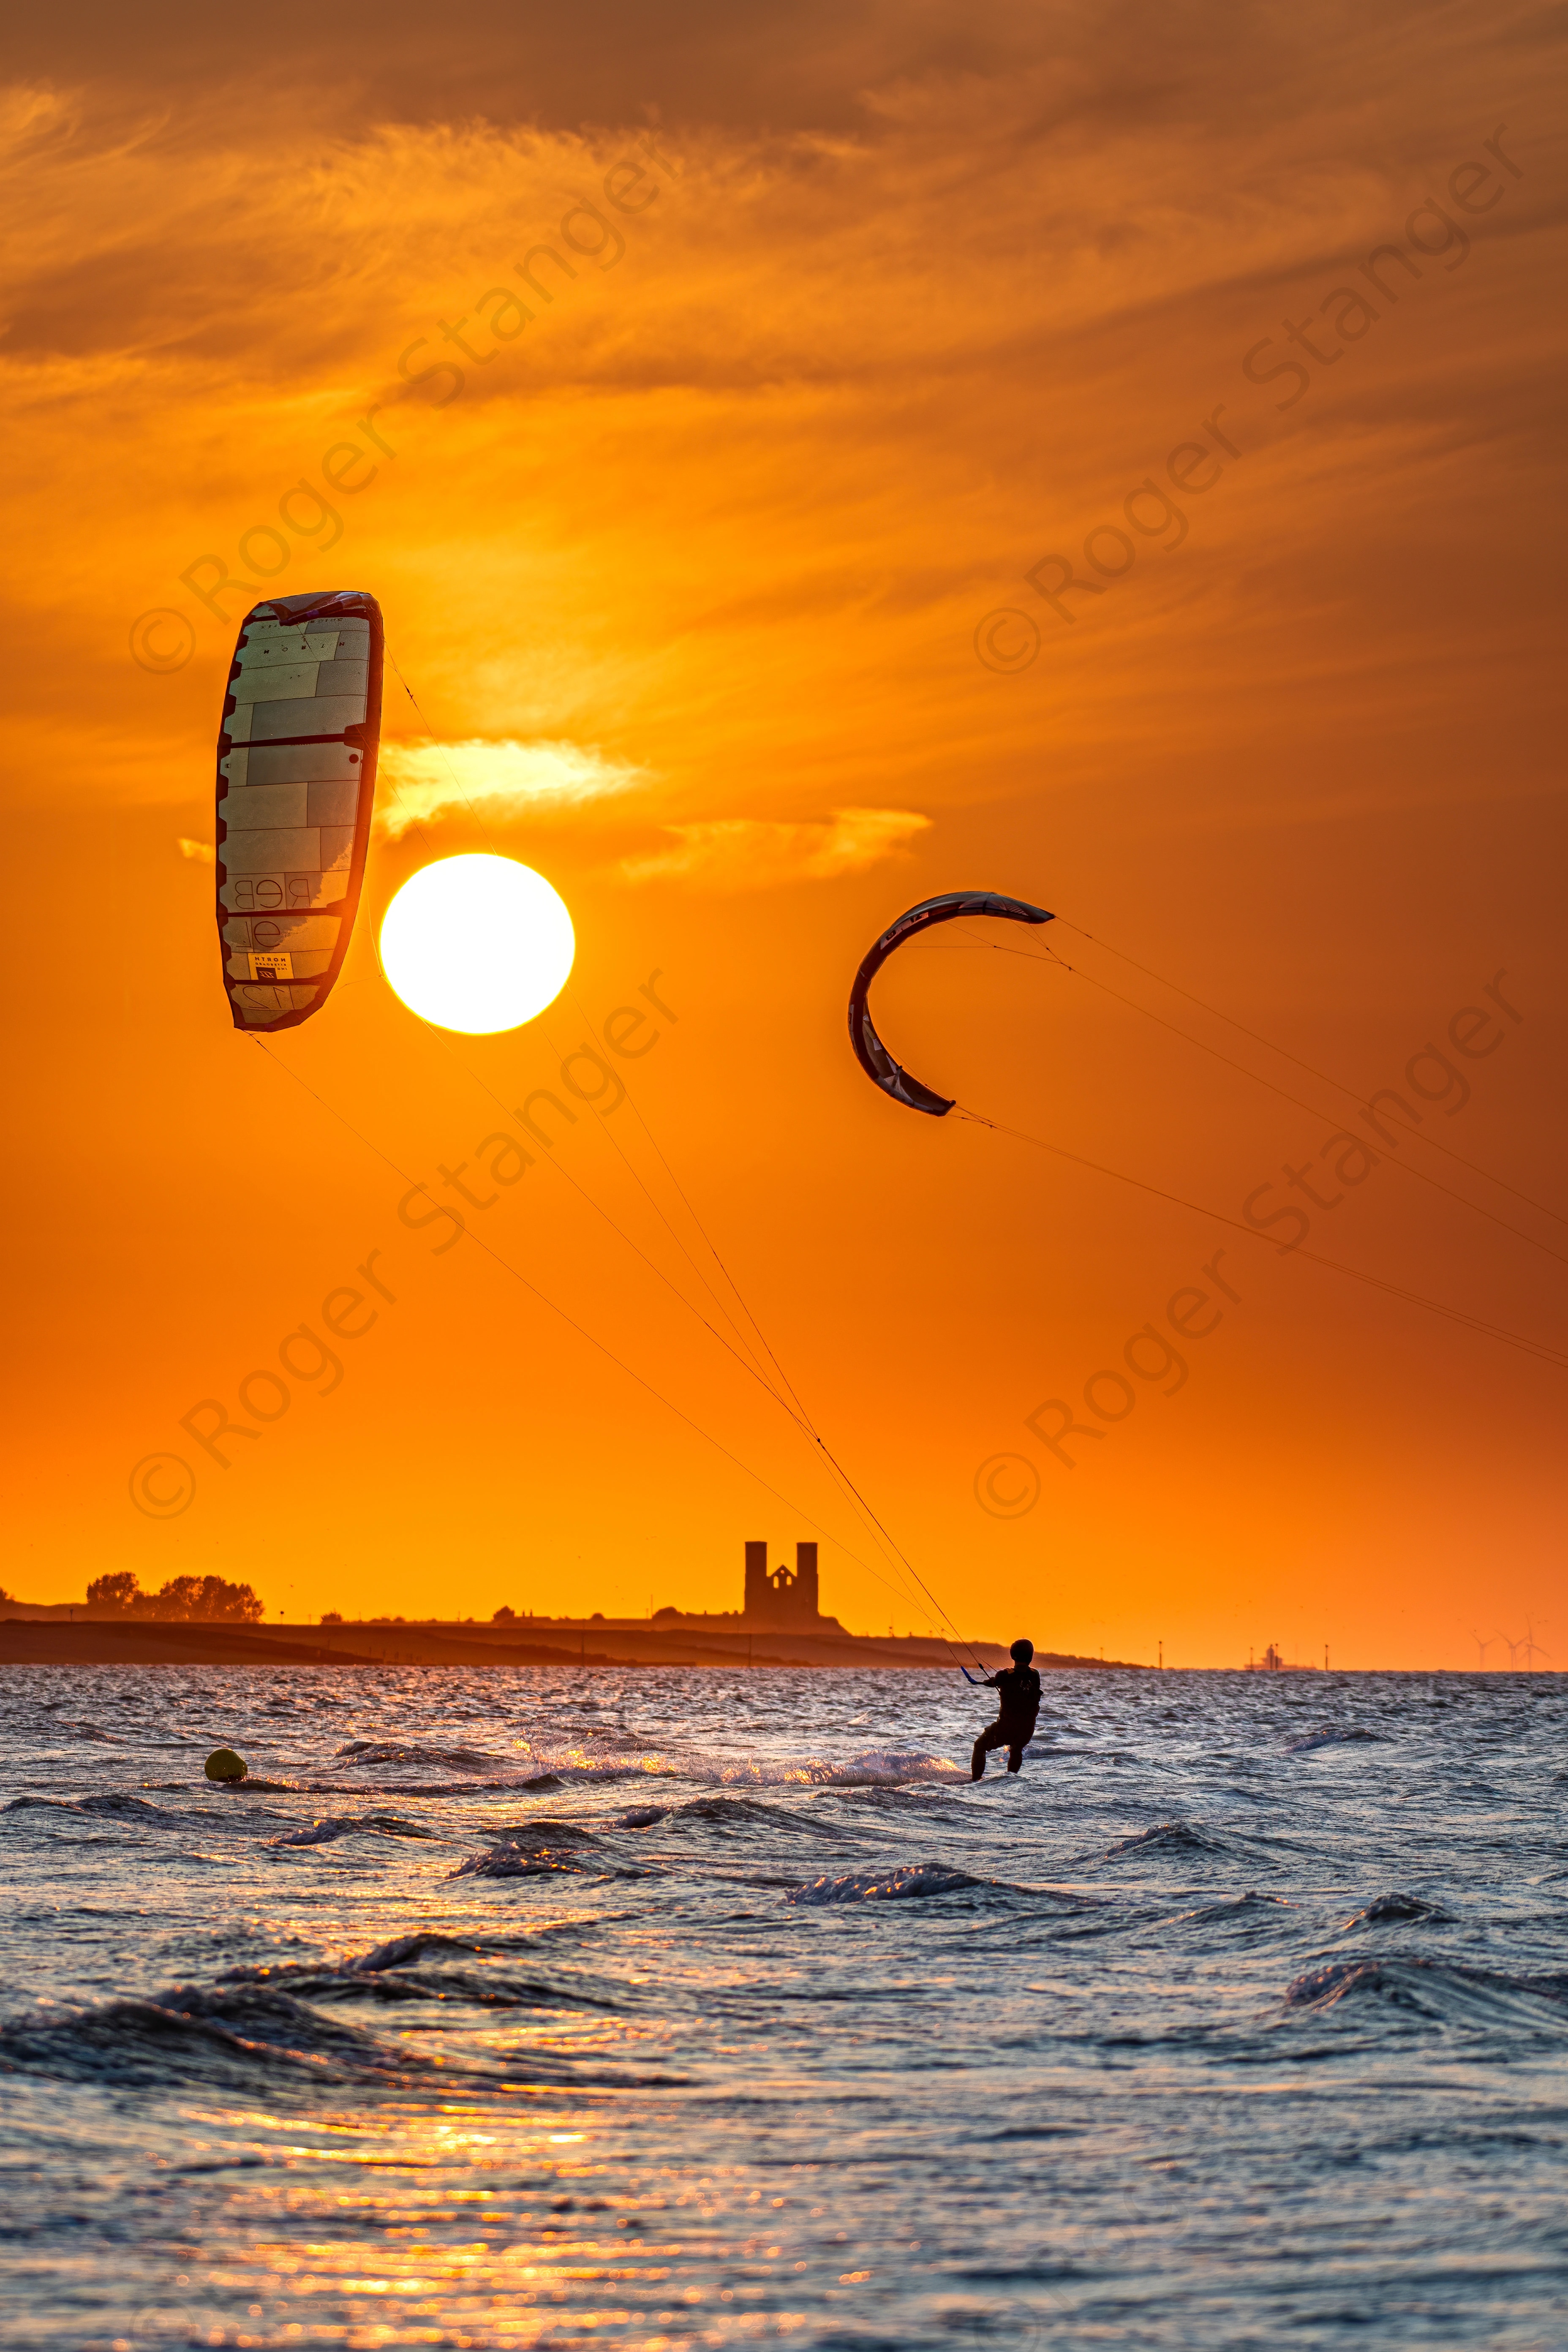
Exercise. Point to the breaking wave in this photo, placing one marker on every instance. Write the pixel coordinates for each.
(884, 1767)
(618, 1755)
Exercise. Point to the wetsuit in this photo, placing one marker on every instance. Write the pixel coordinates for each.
(1014, 1725)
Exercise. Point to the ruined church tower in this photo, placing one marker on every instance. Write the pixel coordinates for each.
(782, 1596)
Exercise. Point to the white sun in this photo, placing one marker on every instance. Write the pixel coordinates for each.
(477, 943)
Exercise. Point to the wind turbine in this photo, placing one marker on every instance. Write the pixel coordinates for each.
(1483, 1647)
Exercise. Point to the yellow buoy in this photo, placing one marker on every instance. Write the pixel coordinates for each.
(223, 1764)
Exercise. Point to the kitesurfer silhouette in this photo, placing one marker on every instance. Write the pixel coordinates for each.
(1013, 1728)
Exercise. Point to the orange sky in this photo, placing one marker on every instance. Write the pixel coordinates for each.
(895, 307)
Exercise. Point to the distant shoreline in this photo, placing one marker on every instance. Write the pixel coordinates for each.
(561, 1643)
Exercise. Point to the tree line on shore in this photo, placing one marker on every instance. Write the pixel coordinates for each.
(208, 1599)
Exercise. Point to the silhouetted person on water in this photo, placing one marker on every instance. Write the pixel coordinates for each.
(1014, 1725)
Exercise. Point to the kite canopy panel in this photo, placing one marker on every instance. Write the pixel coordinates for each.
(870, 1050)
(296, 785)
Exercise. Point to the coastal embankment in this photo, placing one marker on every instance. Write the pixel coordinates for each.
(670, 1641)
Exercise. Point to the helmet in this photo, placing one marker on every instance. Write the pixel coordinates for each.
(1023, 1651)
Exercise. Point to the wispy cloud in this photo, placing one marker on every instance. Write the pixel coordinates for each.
(418, 782)
(202, 851)
(741, 853)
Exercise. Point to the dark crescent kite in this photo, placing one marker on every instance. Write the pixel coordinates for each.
(296, 785)
(870, 1050)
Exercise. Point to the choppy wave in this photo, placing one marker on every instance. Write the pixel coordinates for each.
(540, 1767)
(407, 1979)
(590, 1771)
(877, 1885)
(188, 2034)
(404, 1751)
(1342, 1736)
(349, 1825)
(1166, 1837)
(114, 1805)
(315, 1833)
(517, 1862)
(980, 2015)
(752, 1814)
(1390, 1910)
(531, 1851)
(1446, 1991)
(398, 1951)
(1250, 1910)
(923, 1800)
(888, 1767)
(271, 2030)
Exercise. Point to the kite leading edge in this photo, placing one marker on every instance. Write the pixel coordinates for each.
(870, 1050)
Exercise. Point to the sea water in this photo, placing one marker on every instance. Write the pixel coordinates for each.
(658, 2008)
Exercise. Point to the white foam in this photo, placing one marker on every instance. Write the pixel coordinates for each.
(874, 1768)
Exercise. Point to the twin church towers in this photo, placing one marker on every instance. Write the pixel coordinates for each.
(782, 1596)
